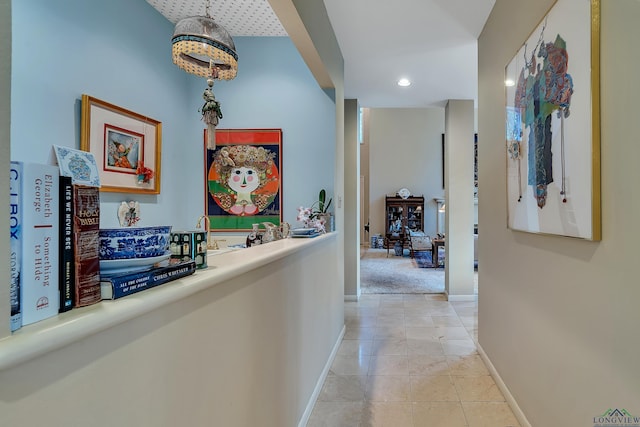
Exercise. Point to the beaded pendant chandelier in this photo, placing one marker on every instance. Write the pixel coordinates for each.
(202, 47)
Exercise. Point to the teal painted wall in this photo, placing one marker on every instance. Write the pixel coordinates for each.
(275, 89)
(119, 51)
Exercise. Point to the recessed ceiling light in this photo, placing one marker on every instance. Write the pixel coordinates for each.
(509, 83)
(404, 82)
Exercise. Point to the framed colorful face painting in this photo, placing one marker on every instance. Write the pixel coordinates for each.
(243, 177)
(553, 125)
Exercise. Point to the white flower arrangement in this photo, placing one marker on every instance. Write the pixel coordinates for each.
(310, 219)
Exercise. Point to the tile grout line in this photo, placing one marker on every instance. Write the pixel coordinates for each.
(377, 337)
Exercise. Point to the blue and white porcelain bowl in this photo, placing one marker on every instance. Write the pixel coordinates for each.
(134, 242)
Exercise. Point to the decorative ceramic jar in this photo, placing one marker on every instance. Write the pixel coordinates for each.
(271, 232)
(255, 237)
(398, 249)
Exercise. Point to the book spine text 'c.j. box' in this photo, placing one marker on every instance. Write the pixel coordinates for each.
(15, 243)
(39, 266)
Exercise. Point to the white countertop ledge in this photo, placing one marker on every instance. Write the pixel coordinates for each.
(59, 331)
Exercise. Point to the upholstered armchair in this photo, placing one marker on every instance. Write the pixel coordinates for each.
(418, 242)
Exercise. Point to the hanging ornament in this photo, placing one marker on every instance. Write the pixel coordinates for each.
(129, 213)
(562, 113)
(211, 112)
(513, 147)
(202, 47)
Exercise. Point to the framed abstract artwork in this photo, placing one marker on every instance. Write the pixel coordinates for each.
(553, 125)
(125, 144)
(243, 178)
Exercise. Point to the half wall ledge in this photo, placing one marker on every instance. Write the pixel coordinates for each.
(43, 337)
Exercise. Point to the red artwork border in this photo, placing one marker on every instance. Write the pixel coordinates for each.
(270, 139)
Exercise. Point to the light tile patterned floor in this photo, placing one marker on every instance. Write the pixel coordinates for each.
(410, 361)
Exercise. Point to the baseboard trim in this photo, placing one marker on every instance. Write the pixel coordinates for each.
(511, 401)
(351, 298)
(461, 297)
(323, 376)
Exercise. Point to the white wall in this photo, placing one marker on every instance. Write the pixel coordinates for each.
(558, 317)
(246, 352)
(365, 172)
(308, 25)
(459, 199)
(405, 152)
(5, 145)
(352, 224)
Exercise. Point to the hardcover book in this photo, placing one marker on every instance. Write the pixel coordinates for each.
(121, 285)
(86, 226)
(39, 188)
(15, 244)
(66, 267)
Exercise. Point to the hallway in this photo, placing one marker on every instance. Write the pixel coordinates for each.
(410, 361)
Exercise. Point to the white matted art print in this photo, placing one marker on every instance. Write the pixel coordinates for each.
(553, 125)
(126, 146)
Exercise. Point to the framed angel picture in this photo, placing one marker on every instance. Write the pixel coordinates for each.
(243, 178)
(125, 144)
(552, 125)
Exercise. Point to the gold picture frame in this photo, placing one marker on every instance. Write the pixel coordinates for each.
(125, 144)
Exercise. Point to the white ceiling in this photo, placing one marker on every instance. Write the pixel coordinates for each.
(239, 17)
(431, 42)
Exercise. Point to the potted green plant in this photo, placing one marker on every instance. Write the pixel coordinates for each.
(320, 210)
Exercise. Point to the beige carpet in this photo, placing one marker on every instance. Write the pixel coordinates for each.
(397, 275)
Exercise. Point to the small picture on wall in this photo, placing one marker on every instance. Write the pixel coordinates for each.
(126, 146)
(123, 149)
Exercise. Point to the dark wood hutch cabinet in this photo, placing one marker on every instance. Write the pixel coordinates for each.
(401, 213)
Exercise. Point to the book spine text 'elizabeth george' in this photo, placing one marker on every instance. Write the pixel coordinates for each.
(39, 262)
(15, 243)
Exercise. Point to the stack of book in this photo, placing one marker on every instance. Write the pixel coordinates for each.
(54, 248)
(121, 285)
